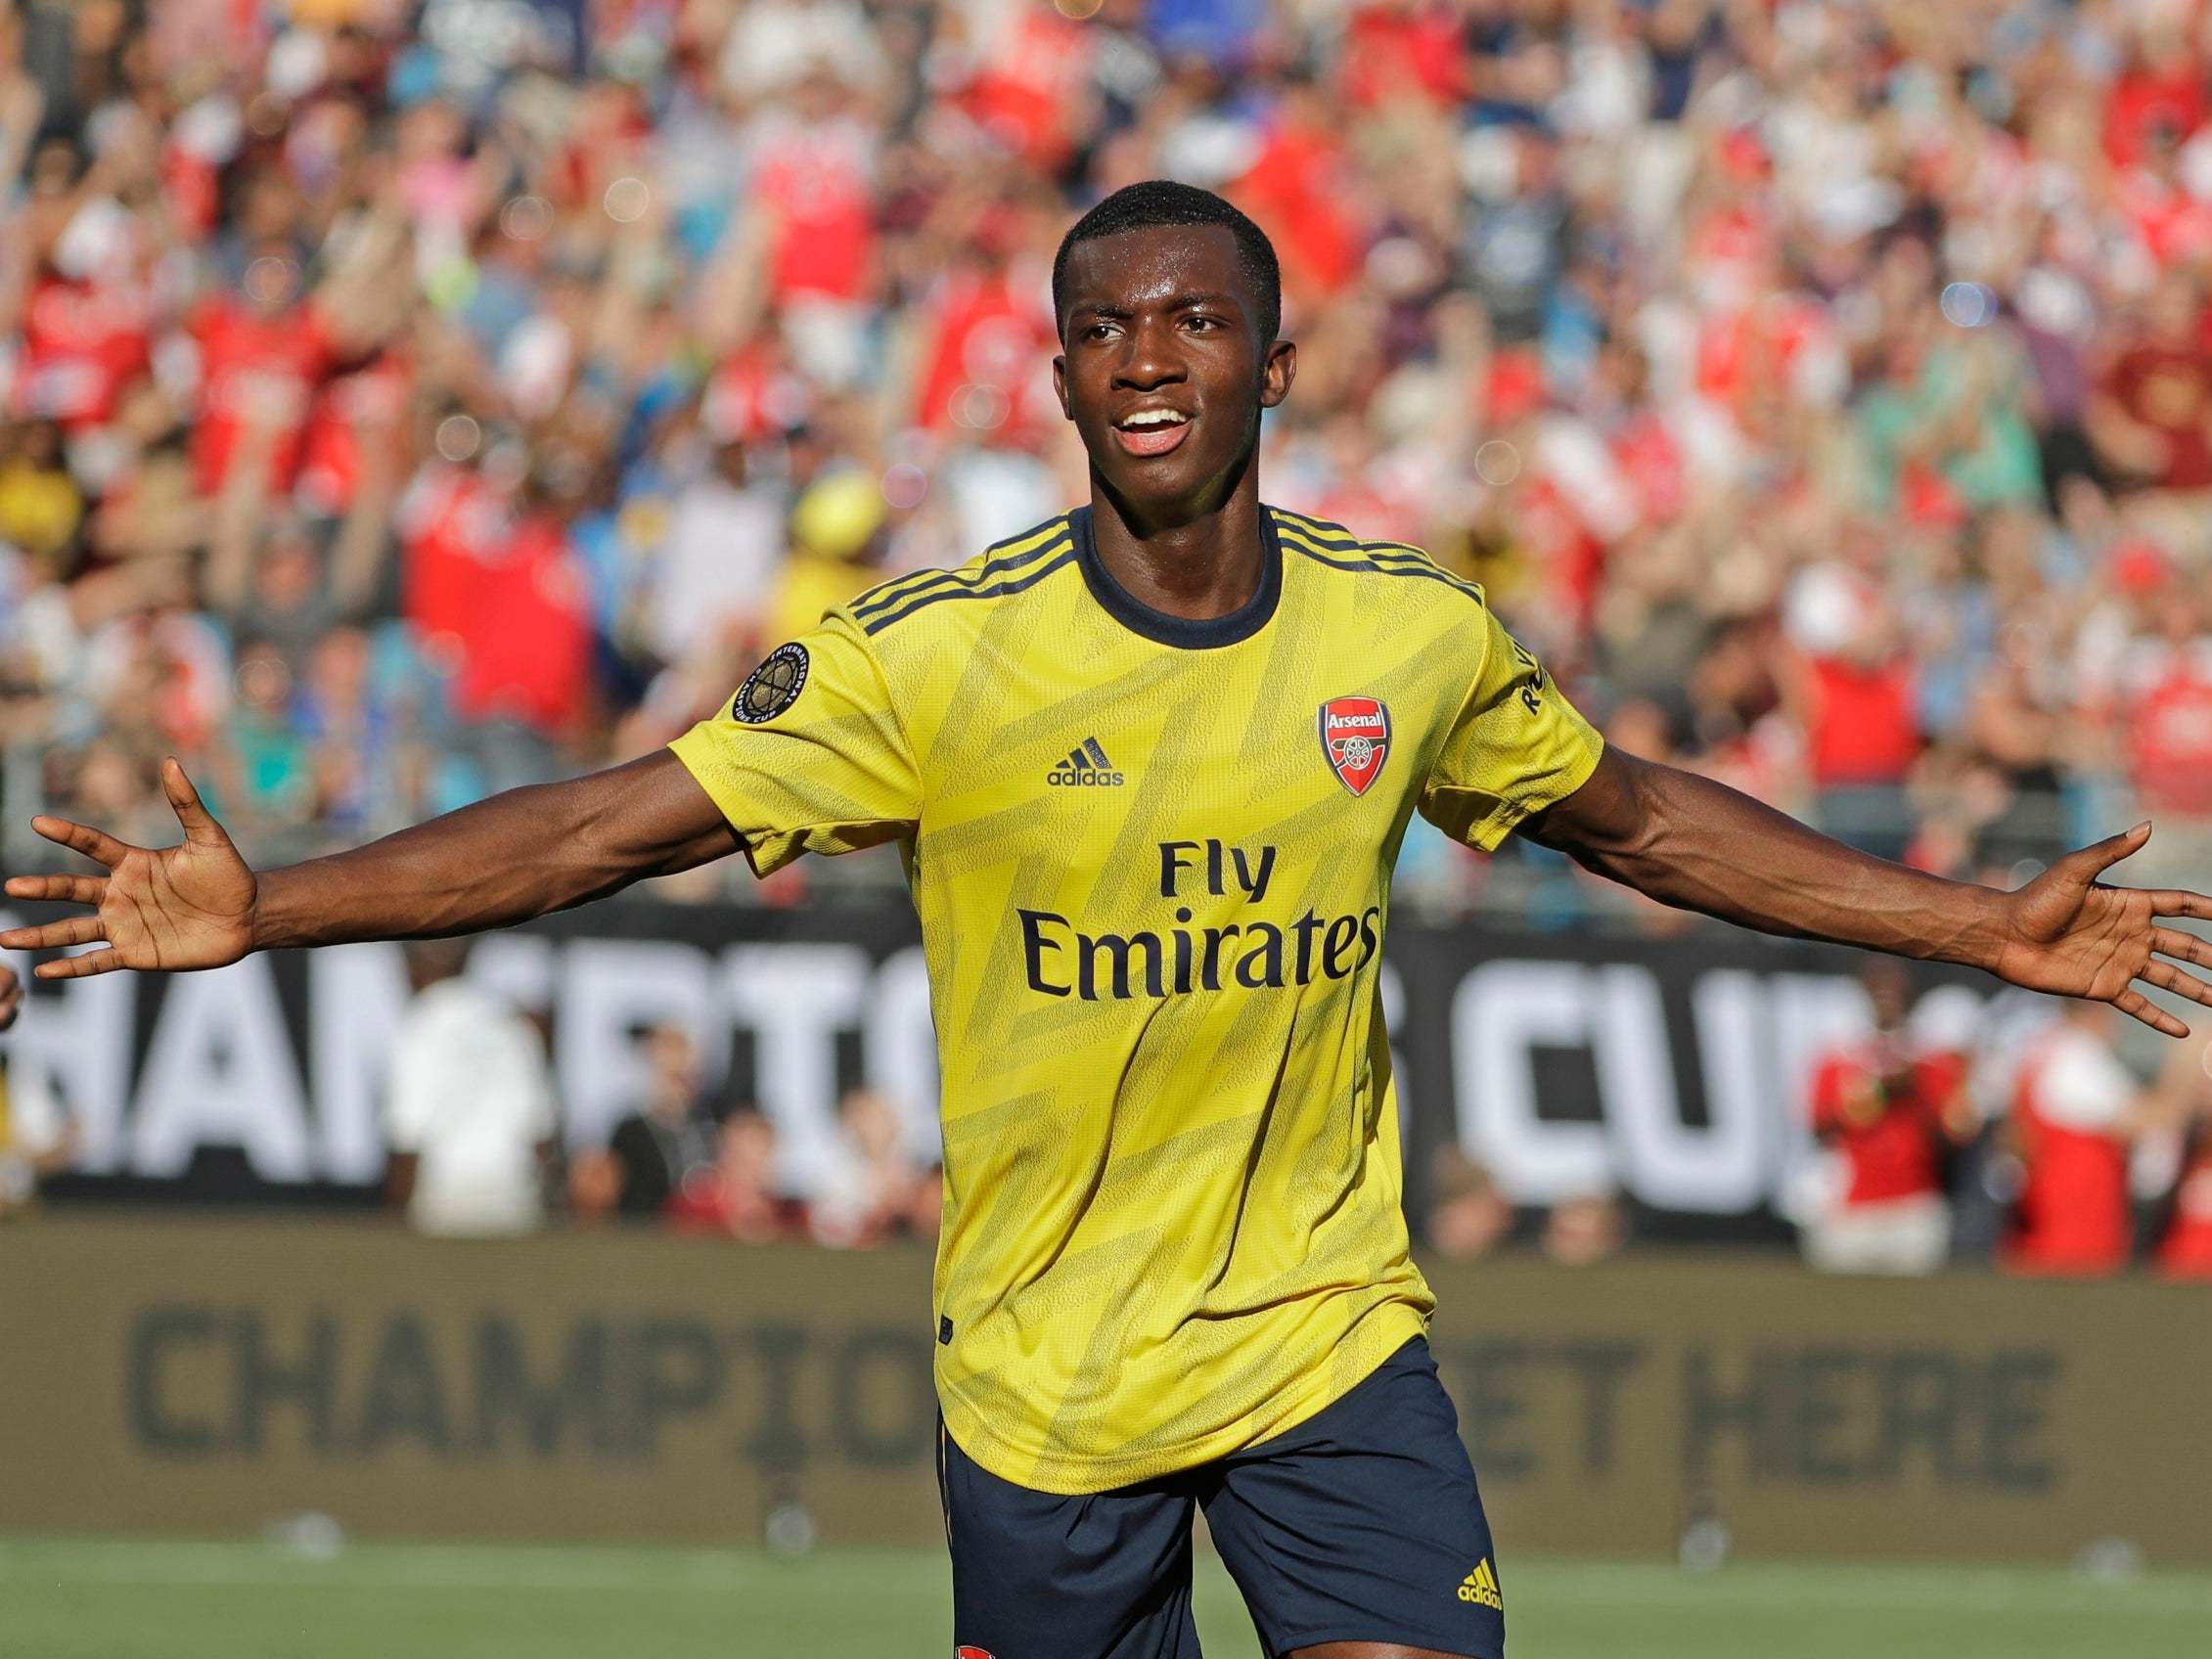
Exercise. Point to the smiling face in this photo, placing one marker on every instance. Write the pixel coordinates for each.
(1163, 369)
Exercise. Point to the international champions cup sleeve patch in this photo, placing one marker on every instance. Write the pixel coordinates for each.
(772, 687)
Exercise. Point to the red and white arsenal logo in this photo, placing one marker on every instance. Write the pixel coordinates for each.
(970, 1653)
(1355, 735)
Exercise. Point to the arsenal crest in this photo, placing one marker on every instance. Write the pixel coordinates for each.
(1355, 735)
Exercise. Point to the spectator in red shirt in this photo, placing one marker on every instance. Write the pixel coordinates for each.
(2153, 415)
(525, 654)
(2184, 1234)
(1405, 49)
(811, 172)
(2168, 736)
(1028, 87)
(1854, 694)
(449, 523)
(1891, 1113)
(355, 436)
(987, 336)
(265, 350)
(2160, 94)
(737, 1198)
(82, 343)
(1298, 188)
(2076, 1111)
(2185, 1250)
(262, 355)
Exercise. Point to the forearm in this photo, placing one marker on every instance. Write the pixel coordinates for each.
(1699, 845)
(517, 855)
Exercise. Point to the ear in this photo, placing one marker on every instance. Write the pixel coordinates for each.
(1277, 370)
(1059, 387)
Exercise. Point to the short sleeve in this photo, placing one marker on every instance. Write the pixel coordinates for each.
(810, 756)
(1516, 747)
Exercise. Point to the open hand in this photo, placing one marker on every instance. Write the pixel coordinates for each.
(2067, 932)
(170, 908)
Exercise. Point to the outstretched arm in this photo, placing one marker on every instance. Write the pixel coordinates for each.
(1699, 845)
(517, 855)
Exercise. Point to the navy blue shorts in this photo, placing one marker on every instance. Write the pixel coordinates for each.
(1361, 1524)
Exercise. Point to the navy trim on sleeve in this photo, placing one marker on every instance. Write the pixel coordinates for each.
(884, 618)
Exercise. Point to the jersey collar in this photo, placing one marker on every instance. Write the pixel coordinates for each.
(1185, 632)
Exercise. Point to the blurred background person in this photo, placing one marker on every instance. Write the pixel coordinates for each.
(879, 1191)
(670, 1135)
(1890, 1115)
(1584, 1230)
(38, 1136)
(469, 1116)
(1467, 1217)
(2076, 1112)
(2180, 1233)
(736, 1196)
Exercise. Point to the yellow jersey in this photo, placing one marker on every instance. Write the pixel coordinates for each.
(1152, 858)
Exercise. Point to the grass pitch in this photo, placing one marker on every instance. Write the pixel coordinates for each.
(117, 1599)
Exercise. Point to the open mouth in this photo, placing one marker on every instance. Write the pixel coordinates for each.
(1151, 431)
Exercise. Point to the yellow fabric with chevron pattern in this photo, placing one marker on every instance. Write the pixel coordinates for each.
(1152, 859)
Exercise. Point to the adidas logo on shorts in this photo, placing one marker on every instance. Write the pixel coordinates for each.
(1481, 1585)
(1084, 767)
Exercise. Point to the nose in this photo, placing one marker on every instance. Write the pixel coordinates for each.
(1149, 358)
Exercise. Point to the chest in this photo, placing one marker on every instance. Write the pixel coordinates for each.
(1196, 778)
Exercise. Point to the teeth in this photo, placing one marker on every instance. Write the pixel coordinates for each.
(1154, 417)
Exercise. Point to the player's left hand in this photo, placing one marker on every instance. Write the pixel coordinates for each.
(2067, 932)
(11, 996)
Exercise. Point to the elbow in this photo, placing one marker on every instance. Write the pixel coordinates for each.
(1642, 823)
(1614, 822)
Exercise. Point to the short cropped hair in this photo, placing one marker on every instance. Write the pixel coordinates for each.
(1164, 202)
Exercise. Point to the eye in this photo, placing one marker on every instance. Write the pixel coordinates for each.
(1200, 321)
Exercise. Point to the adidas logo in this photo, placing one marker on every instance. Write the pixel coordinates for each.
(1481, 1585)
(1084, 767)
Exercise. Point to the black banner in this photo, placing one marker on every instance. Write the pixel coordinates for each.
(1671, 1072)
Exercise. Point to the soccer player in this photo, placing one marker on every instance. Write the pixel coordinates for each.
(1148, 765)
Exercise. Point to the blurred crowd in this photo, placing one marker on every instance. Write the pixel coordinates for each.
(708, 1167)
(2013, 1135)
(472, 1126)
(1937, 1128)
(407, 398)
(1940, 1131)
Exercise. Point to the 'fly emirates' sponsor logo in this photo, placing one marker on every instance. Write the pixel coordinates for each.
(1173, 960)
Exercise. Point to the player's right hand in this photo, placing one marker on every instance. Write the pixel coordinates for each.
(168, 908)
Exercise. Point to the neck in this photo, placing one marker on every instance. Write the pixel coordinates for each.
(1199, 567)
